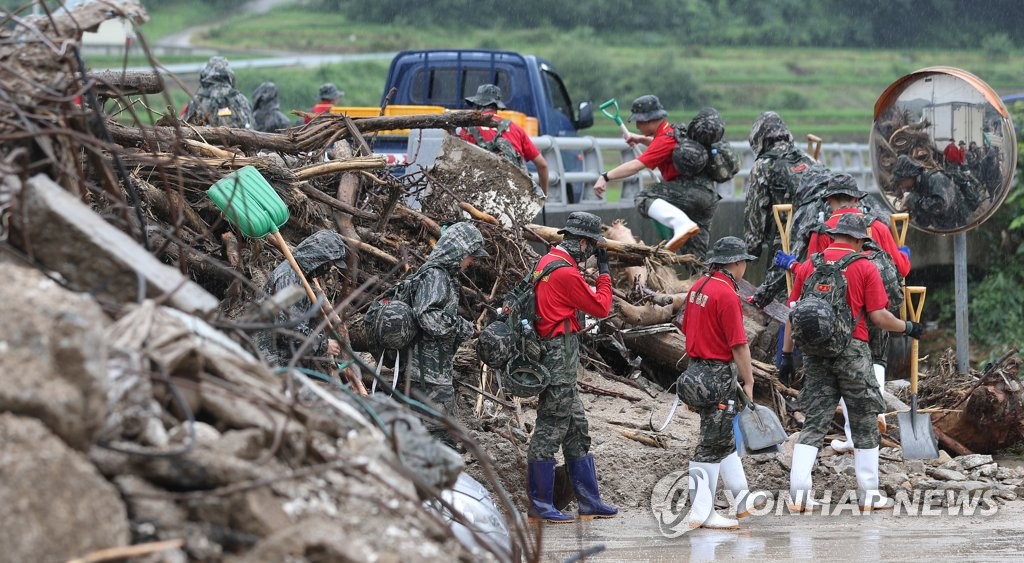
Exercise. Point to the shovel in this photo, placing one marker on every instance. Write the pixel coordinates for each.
(778, 211)
(813, 146)
(899, 349)
(614, 116)
(758, 426)
(916, 433)
(250, 203)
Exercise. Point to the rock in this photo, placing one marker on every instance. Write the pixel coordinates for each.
(243, 444)
(969, 462)
(144, 507)
(914, 466)
(258, 512)
(201, 468)
(947, 474)
(941, 460)
(1013, 482)
(785, 453)
(204, 434)
(844, 466)
(1004, 473)
(890, 468)
(1006, 495)
(968, 486)
(52, 356)
(56, 505)
(988, 470)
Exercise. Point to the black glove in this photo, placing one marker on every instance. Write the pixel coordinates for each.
(786, 368)
(602, 261)
(914, 330)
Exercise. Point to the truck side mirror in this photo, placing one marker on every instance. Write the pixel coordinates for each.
(586, 116)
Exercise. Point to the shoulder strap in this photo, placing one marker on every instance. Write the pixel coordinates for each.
(551, 267)
(503, 126)
(845, 261)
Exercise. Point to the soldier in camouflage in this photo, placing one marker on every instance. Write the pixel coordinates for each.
(266, 109)
(435, 307)
(562, 297)
(930, 196)
(717, 343)
(848, 376)
(781, 174)
(217, 102)
(314, 255)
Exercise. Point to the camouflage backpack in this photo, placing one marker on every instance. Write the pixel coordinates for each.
(499, 145)
(723, 164)
(786, 170)
(689, 157)
(389, 318)
(891, 278)
(822, 321)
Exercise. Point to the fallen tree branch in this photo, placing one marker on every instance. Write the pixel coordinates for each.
(595, 390)
(656, 441)
(627, 253)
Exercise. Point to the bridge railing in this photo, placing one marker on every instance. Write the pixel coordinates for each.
(851, 158)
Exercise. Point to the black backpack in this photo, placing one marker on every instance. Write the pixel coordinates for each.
(822, 321)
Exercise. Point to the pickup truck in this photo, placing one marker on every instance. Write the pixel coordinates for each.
(445, 77)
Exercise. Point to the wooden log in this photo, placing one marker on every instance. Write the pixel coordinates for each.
(588, 388)
(627, 253)
(335, 203)
(643, 315)
(654, 441)
(949, 443)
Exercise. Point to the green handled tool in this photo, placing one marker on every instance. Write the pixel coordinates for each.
(617, 118)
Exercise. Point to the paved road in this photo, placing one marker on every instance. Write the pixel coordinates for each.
(846, 537)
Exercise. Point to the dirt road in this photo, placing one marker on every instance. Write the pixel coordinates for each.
(880, 536)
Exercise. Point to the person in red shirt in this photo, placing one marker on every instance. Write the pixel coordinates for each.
(847, 376)
(561, 420)
(686, 209)
(952, 154)
(519, 149)
(715, 340)
(329, 94)
(843, 196)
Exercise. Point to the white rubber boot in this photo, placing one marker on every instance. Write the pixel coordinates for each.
(702, 503)
(880, 378)
(671, 216)
(838, 445)
(801, 493)
(735, 480)
(865, 462)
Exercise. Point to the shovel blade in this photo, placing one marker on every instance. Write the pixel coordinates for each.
(760, 428)
(249, 202)
(916, 435)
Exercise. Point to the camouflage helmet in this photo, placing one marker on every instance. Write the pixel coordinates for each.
(526, 378)
(707, 127)
(812, 183)
(583, 224)
(647, 108)
(727, 250)
(328, 91)
(689, 157)
(906, 167)
(842, 183)
(768, 129)
(392, 324)
(486, 95)
(217, 71)
(694, 386)
(851, 225)
(495, 345)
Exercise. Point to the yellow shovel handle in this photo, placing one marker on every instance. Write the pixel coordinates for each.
(813, 146)
(899, 222)
(914, 310)
(778, 211)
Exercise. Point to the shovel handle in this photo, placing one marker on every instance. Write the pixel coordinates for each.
(283, 247)
(814, 145)
(613, 116)
(899, 222)
(747, 402)
(914, 311)
(778, 211)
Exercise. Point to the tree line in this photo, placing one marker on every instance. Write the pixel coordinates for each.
(783, 23)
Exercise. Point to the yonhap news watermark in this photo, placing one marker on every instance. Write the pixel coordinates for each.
(671, 507)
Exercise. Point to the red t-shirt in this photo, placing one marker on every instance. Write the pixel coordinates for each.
(514, 134)
(713, 319)
(865, 292)
(659, 152)
(320, 107)
(564, 292)
(879, 233)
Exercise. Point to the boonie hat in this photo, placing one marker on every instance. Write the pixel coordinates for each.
(851, 225)
(329, 91)
(487, 94)
(727, 250)
(647, 108)
(583, 224)
(842, 183)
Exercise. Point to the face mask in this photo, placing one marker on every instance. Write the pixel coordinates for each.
(573, 246)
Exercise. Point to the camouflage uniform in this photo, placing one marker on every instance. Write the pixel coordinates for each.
(849, 376)
(435, 306)
(266, 109)
(716, 433)
(316, 251)
(933, 201)
(218, 102)
(561, 421)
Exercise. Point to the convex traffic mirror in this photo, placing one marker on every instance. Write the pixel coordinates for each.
(943, 149)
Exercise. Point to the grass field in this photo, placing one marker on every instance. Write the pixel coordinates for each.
(829, 92)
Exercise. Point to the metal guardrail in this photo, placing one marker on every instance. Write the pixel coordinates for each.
(851, 158)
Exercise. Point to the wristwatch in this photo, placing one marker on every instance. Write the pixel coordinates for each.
(605, 176)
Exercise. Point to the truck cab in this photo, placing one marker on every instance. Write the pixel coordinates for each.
(529, 85)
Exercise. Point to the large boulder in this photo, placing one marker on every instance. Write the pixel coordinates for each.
(56, 505)
(52, 356)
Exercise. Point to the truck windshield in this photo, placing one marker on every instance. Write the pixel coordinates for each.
(558, 97)
(440, 86)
